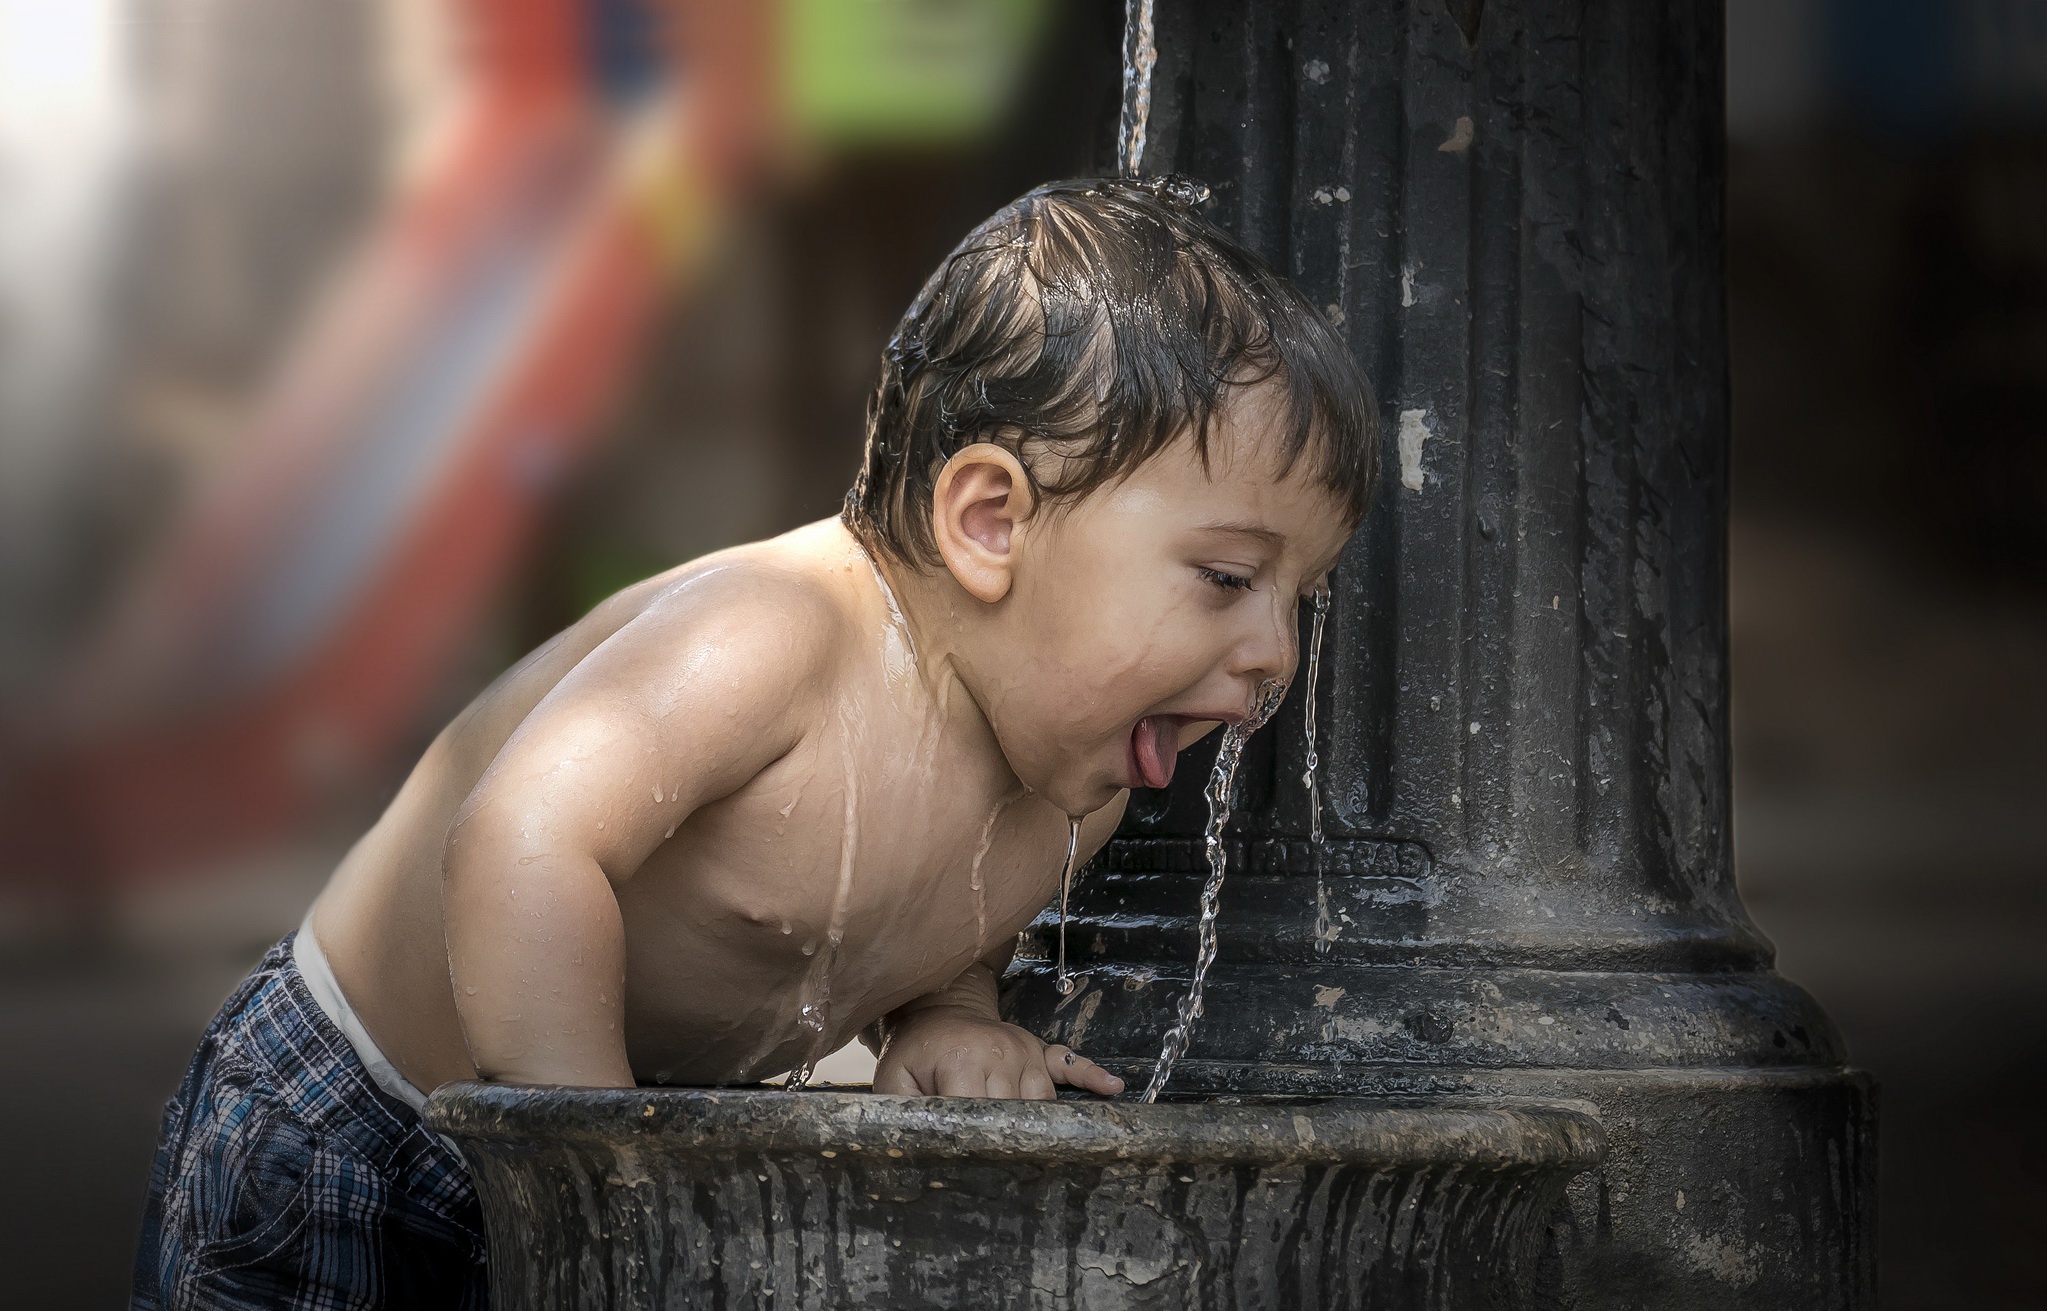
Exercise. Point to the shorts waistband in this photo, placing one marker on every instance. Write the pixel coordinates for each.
(319, 979)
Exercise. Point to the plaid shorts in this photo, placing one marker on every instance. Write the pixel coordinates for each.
(285, 1178)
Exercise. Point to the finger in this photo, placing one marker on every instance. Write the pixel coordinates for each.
(1098, 1080)
(1036, 1085)
(895, 1077)
(1070, 1067)
(1001, 1083)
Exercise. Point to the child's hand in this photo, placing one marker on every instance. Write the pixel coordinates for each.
(944, 1052)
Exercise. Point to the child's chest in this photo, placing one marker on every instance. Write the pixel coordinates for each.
(900, 866)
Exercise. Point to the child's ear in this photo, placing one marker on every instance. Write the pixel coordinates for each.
(981, 498)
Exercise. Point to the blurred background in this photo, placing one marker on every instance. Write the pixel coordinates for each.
(349, 348)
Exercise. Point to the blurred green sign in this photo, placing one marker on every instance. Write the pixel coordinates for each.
(905, 71)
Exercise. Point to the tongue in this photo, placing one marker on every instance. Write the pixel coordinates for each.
(1155, 744)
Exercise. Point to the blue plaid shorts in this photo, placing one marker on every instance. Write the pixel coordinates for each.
(285, 1178)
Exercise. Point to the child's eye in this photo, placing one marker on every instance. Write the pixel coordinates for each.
(1228, 582)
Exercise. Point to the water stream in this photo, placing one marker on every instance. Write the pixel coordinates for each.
(1139, 54)
(1221, 780)
(1313, 761)
(1325, 927)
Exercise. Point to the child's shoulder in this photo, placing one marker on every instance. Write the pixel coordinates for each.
(768, 607)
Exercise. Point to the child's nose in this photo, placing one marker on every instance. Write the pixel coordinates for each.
(1268, 650)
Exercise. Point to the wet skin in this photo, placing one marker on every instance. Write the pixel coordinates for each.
(629, 858)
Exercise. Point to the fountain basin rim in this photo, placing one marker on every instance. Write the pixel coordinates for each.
(888, 1130)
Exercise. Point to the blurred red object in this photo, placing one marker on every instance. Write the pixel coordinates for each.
(307, 608)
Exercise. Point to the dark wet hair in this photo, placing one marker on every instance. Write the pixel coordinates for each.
(1098, 320)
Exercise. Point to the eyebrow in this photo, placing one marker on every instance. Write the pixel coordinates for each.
(1238, 528)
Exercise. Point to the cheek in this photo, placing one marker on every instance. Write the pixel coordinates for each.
(1106, 639)
(1089, 617)
(1145, 659)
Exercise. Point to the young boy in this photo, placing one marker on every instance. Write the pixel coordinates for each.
(809, 788)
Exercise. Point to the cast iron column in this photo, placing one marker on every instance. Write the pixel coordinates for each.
(1514, 210)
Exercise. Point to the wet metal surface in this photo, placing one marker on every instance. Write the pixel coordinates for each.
(737, 1198)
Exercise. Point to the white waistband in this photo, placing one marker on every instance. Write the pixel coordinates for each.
(319, 977)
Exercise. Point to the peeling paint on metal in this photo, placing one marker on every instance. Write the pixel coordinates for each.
(1414, 431)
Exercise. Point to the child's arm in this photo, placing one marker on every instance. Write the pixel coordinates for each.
(954, 1043)
(680, 707)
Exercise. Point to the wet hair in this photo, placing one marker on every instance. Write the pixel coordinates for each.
(1098, 320)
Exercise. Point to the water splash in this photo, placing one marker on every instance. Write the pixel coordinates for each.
(1066, 896)
(1140, 53)
(1311, 760)
(1221, 780)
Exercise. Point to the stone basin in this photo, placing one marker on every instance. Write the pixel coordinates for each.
(760, 1198)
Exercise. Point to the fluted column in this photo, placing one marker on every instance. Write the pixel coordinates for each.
(1514, 211)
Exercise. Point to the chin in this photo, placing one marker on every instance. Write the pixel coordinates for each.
(1081, 796)
(1085, 800)
(1082, 787)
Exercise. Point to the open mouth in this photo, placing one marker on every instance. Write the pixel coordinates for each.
(1154, 749)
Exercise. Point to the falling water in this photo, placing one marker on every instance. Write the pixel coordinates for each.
(1220, 782)
(1325, 926)
(1312, 760)
(1065, 896)
(1139, 54)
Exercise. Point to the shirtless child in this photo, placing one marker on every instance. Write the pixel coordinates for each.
(809, 788)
